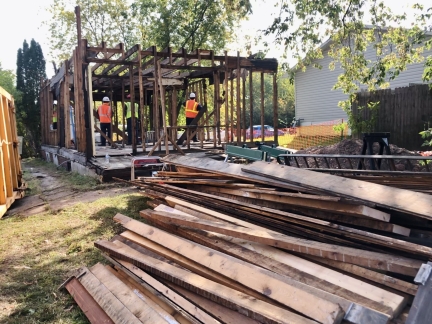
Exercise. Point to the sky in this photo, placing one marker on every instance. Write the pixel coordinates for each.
(31, 14)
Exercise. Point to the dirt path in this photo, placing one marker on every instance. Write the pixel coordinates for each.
(55, 194)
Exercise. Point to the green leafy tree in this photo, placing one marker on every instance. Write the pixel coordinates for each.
(30, 71)
(286, 101)
(178, 23)
(303, 26)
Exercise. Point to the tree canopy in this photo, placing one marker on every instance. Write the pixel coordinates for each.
(302, 26)
(190, 24)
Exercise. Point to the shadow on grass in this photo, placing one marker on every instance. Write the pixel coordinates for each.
(52, 247)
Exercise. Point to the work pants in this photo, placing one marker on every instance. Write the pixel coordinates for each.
(129, 130)
(106, 129)
(188, 121)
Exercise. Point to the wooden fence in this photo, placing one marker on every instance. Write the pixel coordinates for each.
(404, 112)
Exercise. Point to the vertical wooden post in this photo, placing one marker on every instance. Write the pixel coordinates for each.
(204, 86)
(141, 100)
(174, 114)
(123, 114)
(275, 108)
(162, 95)
(66, 103)
(227, 128)
(262, 106)
(238, 111)
(244, 106)
(232, 109)
(91, 146)
(132, 107)
(156, 115)
(215, 105)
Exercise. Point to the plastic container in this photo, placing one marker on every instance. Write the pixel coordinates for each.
(107, 158)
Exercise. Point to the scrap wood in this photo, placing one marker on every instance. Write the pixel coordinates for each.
(258, 279)
(310, 202)
(201, 164)
(157, 304)
(91, 309)
(366, 258)
(306, 267)
(382, 301)
(237, 301)
(224, 314)
(114, 308)
(405, 201)
(343, 231)
(378, 277)
(190, 311)
(137, 306)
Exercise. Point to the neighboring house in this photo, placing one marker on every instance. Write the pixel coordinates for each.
(316, 102)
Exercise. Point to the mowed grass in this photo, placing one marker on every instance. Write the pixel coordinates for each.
(38, 253)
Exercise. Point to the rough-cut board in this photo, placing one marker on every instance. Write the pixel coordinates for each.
(230, 169)
(221, 243)
(224, 314)
(254, 277)
(231, 298)
(94, 313)
(317, 224)
(398, 284)
(335, 207)
(405, 201)
(359, 287)
(366, 258)
(109, 303)
(127, 297)
(190, 311)
(154, 302)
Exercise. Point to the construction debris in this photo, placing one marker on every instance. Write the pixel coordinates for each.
(263, 243)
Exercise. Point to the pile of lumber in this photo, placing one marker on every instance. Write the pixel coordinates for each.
(264, 243)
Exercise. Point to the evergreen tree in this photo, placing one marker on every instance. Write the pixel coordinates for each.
(30, 70)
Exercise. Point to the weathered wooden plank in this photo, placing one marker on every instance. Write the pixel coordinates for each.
(252, 276)
(226, 245)
(405, 201)
(371, 275)
(224, 314)
(190, 311)
(126, 296)
(317, 224)
(366, 258)
(158, 305)
(335, 207)
(109, 303)
(231, 298)
(94, 313)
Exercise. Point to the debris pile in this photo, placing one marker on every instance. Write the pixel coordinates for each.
(263, 243)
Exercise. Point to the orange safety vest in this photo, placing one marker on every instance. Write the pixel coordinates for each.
(104, 112)
(191, 108)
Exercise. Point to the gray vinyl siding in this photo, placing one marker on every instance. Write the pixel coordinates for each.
(315, 100)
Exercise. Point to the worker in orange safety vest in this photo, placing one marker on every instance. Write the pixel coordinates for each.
(191, 109)
(105, 113)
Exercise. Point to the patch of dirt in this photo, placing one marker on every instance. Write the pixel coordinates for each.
(354, 147)
(56, 194)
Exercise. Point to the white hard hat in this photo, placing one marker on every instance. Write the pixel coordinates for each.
(105, 99)
(192, 95)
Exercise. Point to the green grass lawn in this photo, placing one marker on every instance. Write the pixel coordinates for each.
(38, 253)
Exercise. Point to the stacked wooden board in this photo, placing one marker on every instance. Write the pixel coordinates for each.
(258, 243)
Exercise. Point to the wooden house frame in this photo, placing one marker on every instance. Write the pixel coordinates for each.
(155, 80)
